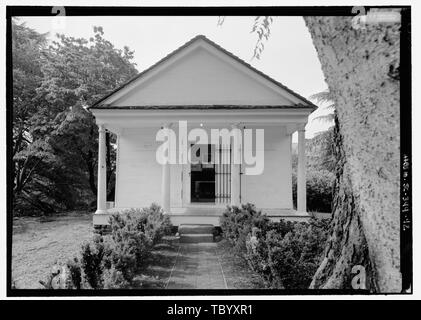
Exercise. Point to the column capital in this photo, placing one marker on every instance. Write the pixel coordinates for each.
(302, 129)
(101, 128)
(236, 125)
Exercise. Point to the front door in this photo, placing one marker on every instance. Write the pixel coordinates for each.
(202, 174)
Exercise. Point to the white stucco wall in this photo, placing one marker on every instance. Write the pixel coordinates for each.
(139, 175)
(273, 188)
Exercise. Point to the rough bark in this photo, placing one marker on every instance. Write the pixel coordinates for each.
(347, 246)
(361, 68)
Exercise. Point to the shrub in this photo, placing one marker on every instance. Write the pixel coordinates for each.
(150, 220)
(282, 227)
(319, 190)
(236, 223)
(112, 261)
(257, 254)
(133, 234)
(285, 254)
(158, 224)
(129, 246)
(75, 273)
(92, 254)
(114, 279)
(288, 260)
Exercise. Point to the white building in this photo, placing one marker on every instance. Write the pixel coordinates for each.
(208, 87)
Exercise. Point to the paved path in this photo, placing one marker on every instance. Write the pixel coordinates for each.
(197, 266)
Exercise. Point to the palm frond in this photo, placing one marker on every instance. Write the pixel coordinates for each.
(324, 96)
(330, 107)
(326, 118)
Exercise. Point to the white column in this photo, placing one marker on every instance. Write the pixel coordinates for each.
(166, 182)
(102, 173)
(235, 166)
(301, 173)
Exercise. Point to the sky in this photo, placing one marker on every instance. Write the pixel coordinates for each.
(289, 55)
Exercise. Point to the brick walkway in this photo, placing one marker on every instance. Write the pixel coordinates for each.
(197, 266)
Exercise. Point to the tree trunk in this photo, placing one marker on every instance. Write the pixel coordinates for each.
(90, 163)
(361, 68)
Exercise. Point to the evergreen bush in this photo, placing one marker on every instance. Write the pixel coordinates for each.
(285, 254)
(112, 261)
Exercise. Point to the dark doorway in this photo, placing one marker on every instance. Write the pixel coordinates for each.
(202, 174)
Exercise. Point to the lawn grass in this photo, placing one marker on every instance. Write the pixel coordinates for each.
(39, 242)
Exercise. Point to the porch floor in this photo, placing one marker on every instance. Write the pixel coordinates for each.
(206, 214)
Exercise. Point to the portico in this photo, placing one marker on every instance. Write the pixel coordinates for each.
(207, 88)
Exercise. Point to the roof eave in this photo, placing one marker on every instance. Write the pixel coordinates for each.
(205, 107)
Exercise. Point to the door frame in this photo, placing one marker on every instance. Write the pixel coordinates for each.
(186, 185)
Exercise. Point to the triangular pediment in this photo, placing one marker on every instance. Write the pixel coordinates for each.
(202, 73)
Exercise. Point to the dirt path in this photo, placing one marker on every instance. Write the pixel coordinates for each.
(38, 243)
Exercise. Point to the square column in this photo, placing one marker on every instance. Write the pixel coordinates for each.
(236, 159)
(301, 173)
(102, 172)
(166, 178)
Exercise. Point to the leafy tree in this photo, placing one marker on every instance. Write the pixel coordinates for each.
(27, 150)
(320, 152)
(60, 137)
(77, 72)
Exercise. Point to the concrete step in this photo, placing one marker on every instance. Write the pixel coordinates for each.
(195, 229)
(196, 238)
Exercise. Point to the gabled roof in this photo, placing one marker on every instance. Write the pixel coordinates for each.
(100, 105)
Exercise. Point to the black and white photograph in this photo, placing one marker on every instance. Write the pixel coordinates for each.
(202, 151)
